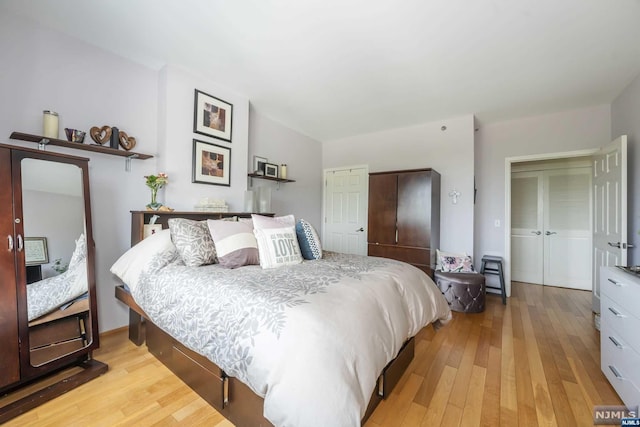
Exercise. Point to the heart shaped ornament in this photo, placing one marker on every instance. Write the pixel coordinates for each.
(100, 135)
(127, 142)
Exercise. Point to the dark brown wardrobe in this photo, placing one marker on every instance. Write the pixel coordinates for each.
(404, 216)
(45, 214)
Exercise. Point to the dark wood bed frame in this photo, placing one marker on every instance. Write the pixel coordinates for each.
(233, 399)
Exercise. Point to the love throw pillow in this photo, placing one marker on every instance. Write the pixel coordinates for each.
(278, 247)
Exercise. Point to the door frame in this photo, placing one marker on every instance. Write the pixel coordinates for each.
(325, 172)
(508, 161)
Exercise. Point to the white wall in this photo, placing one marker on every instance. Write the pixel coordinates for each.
(450, 152)
(175, 138)
(566, 131)
(303, 157)
(625, 120)
(43, 69)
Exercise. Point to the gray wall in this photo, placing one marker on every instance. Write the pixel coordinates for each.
(303, 157)
(450, 152)
(176, 89)
(59, 218)
(43, 69)
(625, 120)
(573, 130)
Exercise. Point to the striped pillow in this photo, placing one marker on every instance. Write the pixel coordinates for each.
(235, 243)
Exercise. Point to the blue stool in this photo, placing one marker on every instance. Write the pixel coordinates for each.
(493, 265)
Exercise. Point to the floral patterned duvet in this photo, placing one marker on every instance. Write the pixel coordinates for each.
(310, 338)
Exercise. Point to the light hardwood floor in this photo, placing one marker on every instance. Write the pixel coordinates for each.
(535, 361)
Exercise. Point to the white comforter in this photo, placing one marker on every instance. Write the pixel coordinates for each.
(311, 338)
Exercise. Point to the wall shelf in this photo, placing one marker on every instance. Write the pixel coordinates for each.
(269, 178)
(43, 142)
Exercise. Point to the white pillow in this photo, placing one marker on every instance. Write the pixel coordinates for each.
(261, 221)
(133, 262)
(278, 247)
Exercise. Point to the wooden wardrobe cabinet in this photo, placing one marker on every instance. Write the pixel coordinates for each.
(45, 197)
(9, 350)
(404, 216)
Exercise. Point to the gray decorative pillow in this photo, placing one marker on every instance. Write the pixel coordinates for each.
(193, 241)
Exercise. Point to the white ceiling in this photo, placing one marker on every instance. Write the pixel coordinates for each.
(332, 68)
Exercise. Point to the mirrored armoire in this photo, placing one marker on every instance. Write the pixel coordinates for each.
(48, 306)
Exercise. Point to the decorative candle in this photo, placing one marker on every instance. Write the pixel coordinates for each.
(283, 171)
(50, 124)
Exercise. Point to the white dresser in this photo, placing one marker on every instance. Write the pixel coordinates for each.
(620, 332)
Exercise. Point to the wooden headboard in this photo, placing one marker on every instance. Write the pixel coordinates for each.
(140, 218)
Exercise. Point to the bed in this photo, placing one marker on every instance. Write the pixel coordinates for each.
(314, 343)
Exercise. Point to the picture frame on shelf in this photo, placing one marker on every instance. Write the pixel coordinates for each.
(270, 170)
(259, 164)
(35, 251)
(211, 164)
(212, 116)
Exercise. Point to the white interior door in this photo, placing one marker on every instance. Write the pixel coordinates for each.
(551, 226)
(346, 202)
(526, 228)
(609, 210)
(567, 228)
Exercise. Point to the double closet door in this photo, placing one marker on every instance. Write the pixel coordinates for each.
(551, 236)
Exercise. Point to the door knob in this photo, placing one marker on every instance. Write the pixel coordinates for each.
(360, 229)
(537, 232)
(549, 233)
(615, 245)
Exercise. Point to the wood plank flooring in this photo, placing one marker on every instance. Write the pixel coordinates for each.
(535, 361)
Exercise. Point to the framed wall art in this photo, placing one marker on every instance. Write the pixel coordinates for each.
(211, 163)
(271, 170)
(212, 116)
(35, 250)
(258, 164)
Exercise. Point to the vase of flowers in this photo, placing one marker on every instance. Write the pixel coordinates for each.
(156, 182)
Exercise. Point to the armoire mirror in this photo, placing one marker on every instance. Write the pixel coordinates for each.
(48, 304)
(54, 227)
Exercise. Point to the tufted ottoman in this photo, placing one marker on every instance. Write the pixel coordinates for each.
(463, 291)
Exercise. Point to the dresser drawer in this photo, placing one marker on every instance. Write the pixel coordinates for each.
(621, 365)
(621, 288)
(620, 321)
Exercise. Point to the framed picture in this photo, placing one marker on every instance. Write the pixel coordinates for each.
(258, 164)
(271, 170)
(212, 116)
(211, 163)
(35, 251)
